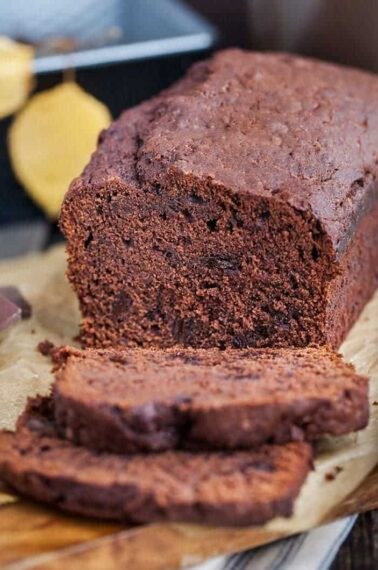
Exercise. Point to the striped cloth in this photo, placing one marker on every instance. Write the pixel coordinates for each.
(314, 550)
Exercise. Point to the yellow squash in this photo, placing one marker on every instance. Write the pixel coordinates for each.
(51, 141)
(15, 75)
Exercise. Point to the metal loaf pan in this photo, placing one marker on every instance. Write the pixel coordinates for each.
(83, 33)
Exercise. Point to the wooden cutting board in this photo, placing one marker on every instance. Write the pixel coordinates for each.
(32, 536)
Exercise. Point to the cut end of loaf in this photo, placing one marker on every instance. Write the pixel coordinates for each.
(224, 213)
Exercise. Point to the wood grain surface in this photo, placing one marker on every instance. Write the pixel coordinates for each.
(360, 550)
(32, 536)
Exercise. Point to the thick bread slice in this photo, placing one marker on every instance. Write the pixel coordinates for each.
(139, 400)
(240, 488)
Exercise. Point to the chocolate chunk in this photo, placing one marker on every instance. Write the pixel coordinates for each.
(9, 313)
(14, 295)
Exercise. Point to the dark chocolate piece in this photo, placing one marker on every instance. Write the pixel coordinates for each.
(9, 313)
(14, 295)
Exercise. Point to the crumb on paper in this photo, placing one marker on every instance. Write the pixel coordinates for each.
(57, 354)
(331, 475)
(46, 347)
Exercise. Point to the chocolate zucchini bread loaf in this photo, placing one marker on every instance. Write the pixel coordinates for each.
(239, 488)
(238, 208)
(145, 399)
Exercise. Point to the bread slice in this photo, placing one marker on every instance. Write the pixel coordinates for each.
(220, 488)
(140, 400)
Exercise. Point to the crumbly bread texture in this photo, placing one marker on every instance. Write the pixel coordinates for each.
(238, 208)
(146, 399)
(239, 488)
